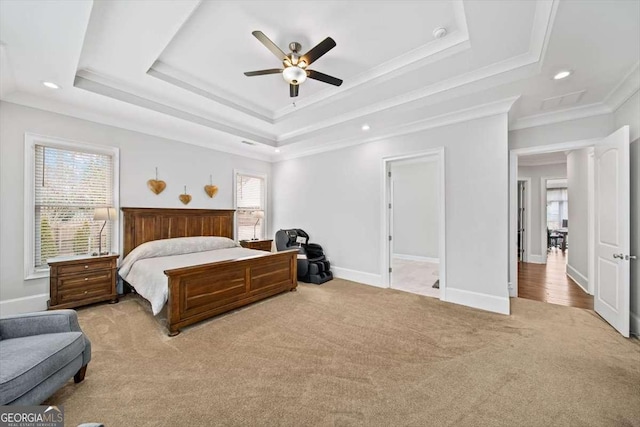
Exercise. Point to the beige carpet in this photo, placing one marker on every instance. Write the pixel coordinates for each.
(344, 354)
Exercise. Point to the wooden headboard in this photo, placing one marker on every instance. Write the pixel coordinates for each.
(146, 224)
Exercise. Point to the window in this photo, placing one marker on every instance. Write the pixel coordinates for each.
(557, 207)
(250, 205)
(65, 182)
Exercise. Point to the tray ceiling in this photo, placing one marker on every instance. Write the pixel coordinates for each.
(175, 68)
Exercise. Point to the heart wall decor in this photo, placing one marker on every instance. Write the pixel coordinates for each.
(211, 189)
(185, 198)
(156, 185)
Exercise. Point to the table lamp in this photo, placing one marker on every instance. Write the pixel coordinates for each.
(259, 215)
(103, 214)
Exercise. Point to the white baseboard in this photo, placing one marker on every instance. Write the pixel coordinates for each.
(536, 259)
(486, 302)
(635, 324)
(417, 258)
(24, 304)
(577, 277)
(357, 276)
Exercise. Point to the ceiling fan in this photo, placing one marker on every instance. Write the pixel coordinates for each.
(295, 65)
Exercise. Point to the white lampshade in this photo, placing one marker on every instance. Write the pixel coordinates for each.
(104, 214)
(294, 75)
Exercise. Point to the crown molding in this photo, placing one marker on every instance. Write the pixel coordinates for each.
(485, 110)
(65, 109)
(93, 82)
(173, 76)
(629, 85)
(394, 68)
(581, 112)
(541, 163)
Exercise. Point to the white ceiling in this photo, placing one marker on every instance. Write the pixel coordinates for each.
(175, 68)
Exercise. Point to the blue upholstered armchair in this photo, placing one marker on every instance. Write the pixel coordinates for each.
(39, 353)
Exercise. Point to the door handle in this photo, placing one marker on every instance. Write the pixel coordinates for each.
(628, 257)
(621, 256)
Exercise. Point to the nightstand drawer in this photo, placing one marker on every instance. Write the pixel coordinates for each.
(83, 280)
(96, 289)
(79, 268)
(77, 280)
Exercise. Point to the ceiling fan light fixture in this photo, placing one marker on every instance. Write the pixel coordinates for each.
(294, 75)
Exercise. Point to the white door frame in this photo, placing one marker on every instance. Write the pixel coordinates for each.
(527, 220)
(385, 216)
(513, 198)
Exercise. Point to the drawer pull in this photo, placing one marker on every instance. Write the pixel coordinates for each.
(86, 292)
(86, 278)
(86, 266)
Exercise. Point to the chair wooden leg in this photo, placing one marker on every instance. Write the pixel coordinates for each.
(79, 376)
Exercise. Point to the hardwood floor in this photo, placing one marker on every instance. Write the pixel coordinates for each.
(549, 283)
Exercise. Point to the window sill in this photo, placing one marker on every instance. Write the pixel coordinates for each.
(34, 275)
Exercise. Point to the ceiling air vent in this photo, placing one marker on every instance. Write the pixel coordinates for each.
(248, 142)
(562, 100)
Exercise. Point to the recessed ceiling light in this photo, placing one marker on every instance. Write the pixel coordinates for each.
(51, 85)
(366, 127)
(439, 33)
(562, 75)
(277, 150)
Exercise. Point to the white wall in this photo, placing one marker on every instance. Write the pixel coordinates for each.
(629, 114)
(415, 209)
(337, 198)
(578, 193)
(179, 164)
(537, 210)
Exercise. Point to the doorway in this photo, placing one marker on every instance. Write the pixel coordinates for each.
(413, 230)
(550, 273)
(605, 220)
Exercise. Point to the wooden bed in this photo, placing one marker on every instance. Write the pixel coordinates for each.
(202, 291)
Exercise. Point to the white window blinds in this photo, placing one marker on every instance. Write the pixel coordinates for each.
(250, 205)
(68, 186)
(557, 207)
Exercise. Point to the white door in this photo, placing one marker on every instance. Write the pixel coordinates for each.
(612, 233)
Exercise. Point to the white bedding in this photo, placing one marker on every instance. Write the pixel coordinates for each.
(144, 268)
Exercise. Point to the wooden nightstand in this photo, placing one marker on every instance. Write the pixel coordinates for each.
(82, 280)
(261, 245)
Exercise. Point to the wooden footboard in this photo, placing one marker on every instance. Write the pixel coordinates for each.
(203, 291)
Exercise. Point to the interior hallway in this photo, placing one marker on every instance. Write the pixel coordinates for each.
(550, 283)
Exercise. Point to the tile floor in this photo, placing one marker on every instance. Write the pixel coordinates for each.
(416, 277)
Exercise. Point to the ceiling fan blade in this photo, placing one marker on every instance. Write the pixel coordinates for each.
(263, 72)
(317, 75)
(270, 45)
(293, 91)
(320, 49)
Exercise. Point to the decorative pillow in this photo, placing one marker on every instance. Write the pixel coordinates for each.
(175, 246)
